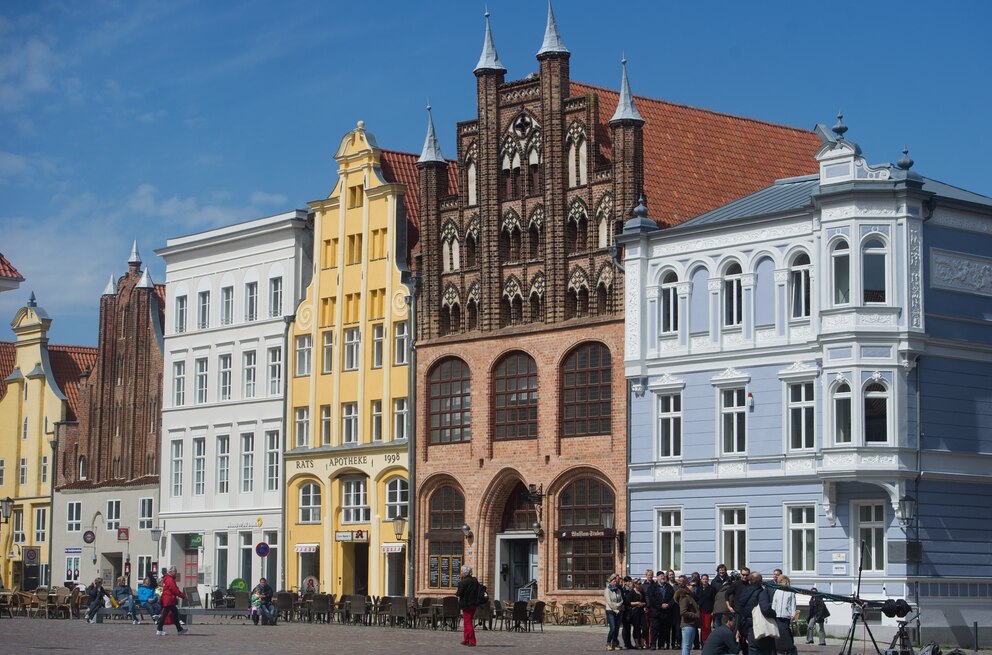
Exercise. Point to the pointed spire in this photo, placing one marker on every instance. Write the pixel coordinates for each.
(32, 300)
(146, 281)
(135, 258)
(489, 61)
(432, 149)
(626, 111)
(552, 39)
(111, 289)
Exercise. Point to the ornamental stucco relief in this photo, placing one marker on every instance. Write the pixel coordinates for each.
(957, 271)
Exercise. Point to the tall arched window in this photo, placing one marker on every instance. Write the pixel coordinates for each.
(873, 271)
(310, 503)
(472, 314)
(445, 550)
(518, 513)
(515, 397)
(511, 175)
(876, 413)
(799, 286)
(470, 249)
(669, 304)
(509, 243)
(733, 296)
(83, 469)
(586, 391)
(534, 241)
(450, 402)
(473, 197)
(397, 499)
(602, 299)
(585, 563)
(534, 173)
(842, 414)
(841, 256)
(536, 308)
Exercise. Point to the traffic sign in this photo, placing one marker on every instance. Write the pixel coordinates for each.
(262, 549)
(89, 536)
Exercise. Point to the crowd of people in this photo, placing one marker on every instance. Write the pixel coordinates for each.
(717, 615)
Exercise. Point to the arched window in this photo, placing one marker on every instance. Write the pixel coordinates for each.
(445, 550)
(876, 413)
(534, 241)
(456, 318)
(603, 231)
(873, 271)
(536, 308)
(799, 286)
(470, 249)
(518, 513)
(511, 175)
(83, 470)
(515, 397)
(573, 165)
(534, 173)
(509, 243)
(472, 314)
(310, 503)
(444, 321)
(450, 402)
(473, 197)
(586, 391)
(733, 296)
(842, 414)
(841, 256)
(669, 304)
(397, 499)
(585, 563)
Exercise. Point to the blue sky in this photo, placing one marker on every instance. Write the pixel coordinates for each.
(145, 120)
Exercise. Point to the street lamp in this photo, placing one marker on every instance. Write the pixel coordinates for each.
(907, 511)
(399, 527)
(156, 535)
(467, 531)
(608, 517)
(6, 505)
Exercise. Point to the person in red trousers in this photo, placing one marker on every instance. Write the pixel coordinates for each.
(170, 598)
(469, 596)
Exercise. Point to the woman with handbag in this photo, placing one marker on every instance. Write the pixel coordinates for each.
(784, 604)
(757, 617)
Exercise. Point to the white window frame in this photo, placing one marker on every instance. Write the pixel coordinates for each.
(806, 407)
(732, 314)
(310, 501)
(375, 424)
(804, 531)
(22, 471)
(181, 309)
(17, 521)
(223, 463)
(837, 395)
(224, 376)
(352, 348)
(349, 423)
(887, 396)
(275, 297)
(878, 527)
(146, 515)
(304, 344)
(302, 427)
(179, 383)
(669, 522)
(397, 498)
(201, 367)
(72, 563)
(325, 425)
(202, 310)
(800, 289)
(355, 501)
(199, 466)
(177, 468)
(674, 420)
(251, 301)
(144, 563)
(724, 528)
(226, 305)
(401, 411)
(401, 343)
(40, 525)
(327, 355)
(3, 472)
(44, 469)
(247, 441)
(272, 460)
(249, 361)
(113, 516)
(740, 395)
(882, 252)
(275, 370)
(378, 339)
(668, 303)
(835, 257)
(74, 516)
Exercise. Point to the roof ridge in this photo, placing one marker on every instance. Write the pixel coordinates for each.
(695, 108)
(411, 154)
(72, 348)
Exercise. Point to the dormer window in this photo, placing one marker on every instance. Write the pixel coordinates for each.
(873, 271)
(841, 257)
(733, 296)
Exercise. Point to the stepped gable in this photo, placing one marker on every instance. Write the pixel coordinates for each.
(697, 159)
(401, 167)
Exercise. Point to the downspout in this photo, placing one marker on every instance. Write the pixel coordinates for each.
(288, 320)
(916, 492)
(411, 528)
(51, 498)
(626, 479)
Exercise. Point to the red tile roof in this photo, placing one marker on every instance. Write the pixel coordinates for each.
(696, 159)
(402, 167)
(68, 363)
(7, 269)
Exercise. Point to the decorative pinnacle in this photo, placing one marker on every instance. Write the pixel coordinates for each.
(32, 300)
(111, 288)
(839, 128)
(432, 149)
(552, 38)
(146, 281)
(489, 60)
(135, 258)
(905, 162)
(641, 210)
(625, 106)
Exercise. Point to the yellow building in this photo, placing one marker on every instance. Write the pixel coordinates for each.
(38, 384)
(347, 395)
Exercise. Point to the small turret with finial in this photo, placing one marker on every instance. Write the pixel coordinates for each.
(839, 128)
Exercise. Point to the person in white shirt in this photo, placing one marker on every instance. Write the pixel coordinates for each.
(784, 604)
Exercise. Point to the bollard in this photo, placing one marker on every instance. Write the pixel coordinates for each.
(975, 626)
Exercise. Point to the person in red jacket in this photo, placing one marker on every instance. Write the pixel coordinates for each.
(170, 595)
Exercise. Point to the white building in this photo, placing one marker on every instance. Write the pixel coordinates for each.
(227, 294)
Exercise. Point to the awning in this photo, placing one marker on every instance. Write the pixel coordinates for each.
(307, 548)
(393, 547)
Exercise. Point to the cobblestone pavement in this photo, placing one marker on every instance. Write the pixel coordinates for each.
(27, 636)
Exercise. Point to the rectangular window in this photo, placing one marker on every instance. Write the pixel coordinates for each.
(352, 349)
(18, 520)
(378, 335)
(247, 555)
(801, 407)
(871, 536)
(352, 304)
(733, 537)
(355, 508)
(145, 514)
(72, 569)
(327, 359)
(223, 463)
(44, 469)
(23, 471)
(397, 499)
(802, 539)
(113, 514)
(799, 282)
(275, 297)
(302, 427)
(250, 373)
(251, 301)
(733, 411)
(669, 308)
(325, 425)
(199, 465)
(670, 539)
(247, 462)
(330, 253)
(670, 426)
(400, 411)
(203, 310)
(349, 423)
(303, 343)
(180, 314)
(40, 524)
(179, 383)
(376, 423)
(201, 380)
(376, 305)
(272, 460)
(177, 468)
(144, 566)
(842, 414)
(733, 302)
(401, 343)
(272, 561)
(220, 560)
(226, 305)
(356, 195)
(74, 516)
(275, 371)
(3, 473)
(224, 377)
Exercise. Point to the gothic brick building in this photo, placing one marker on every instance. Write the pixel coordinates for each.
(108, 458)
(521, 412)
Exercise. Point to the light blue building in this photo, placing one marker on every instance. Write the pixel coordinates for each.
(811, 369)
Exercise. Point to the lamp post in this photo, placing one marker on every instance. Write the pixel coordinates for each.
(6, 506)
(609, 522)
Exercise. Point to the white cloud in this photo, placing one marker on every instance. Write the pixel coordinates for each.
(262, 198)
(27, 68)
(14, 166)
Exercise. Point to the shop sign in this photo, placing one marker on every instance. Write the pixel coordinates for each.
(123, 534)
(239, 525)
(194, 541)
(393, 547)
(354, 460)
(584, 534)
(351, 535)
